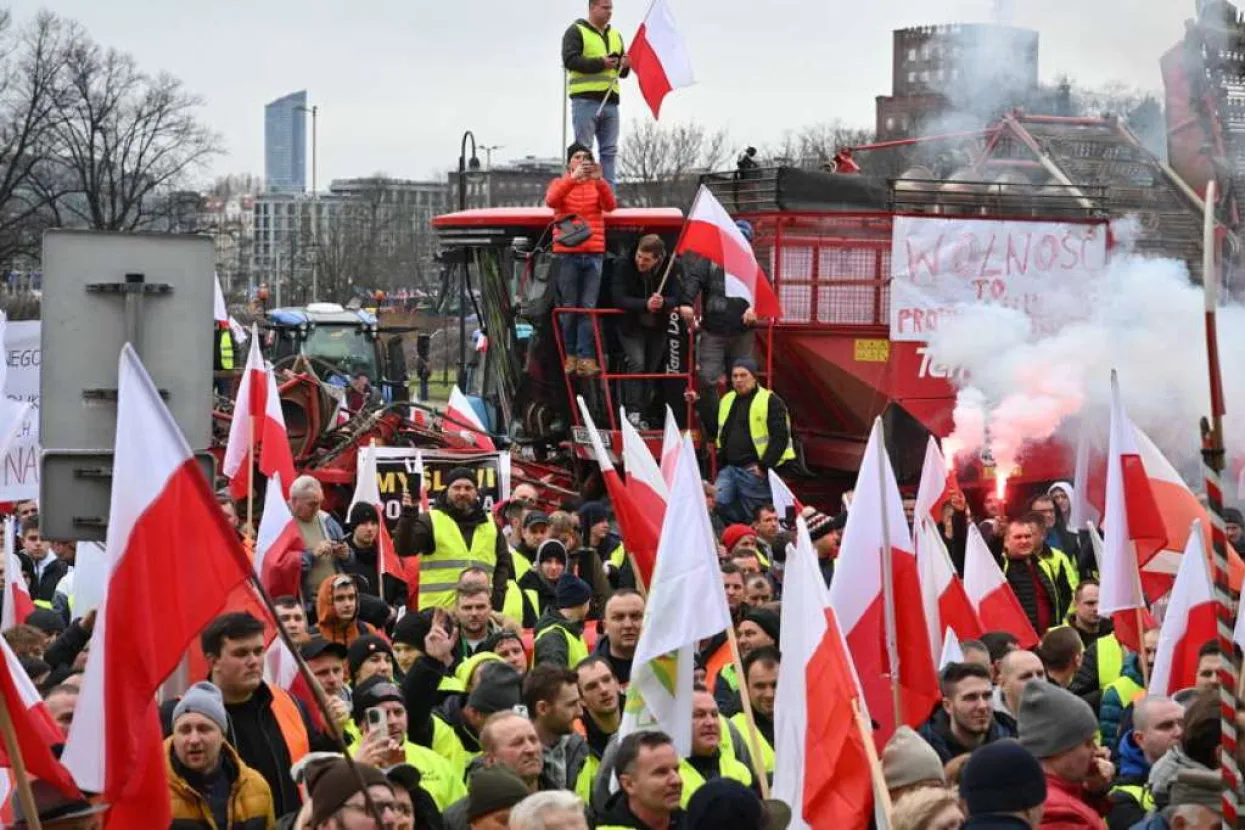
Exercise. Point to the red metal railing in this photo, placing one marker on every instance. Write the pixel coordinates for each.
(605, 376)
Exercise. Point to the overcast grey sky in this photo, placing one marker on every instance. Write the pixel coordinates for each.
(397, 81)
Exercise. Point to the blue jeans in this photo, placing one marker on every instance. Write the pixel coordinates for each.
(740, 493)
(604, 129)
(579, 286)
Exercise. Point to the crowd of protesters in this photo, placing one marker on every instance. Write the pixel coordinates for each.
(498, 703)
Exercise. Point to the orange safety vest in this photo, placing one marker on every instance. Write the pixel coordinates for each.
(290, 721)
(716, 662)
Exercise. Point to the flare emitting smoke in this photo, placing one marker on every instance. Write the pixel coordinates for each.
(1142, 316)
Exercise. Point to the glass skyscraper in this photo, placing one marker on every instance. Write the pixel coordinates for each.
(285, 144)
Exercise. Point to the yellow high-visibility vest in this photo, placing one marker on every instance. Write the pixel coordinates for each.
(595, 47)
(439, 570)
(758, 422)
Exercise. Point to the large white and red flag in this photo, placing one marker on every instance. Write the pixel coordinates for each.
(1189, 623)
(947, 607)
(258, 422)
(17, 603)
(710, 232)
(992, 598)
(640, 529)
(33, 725)
(936, 485)
(367, 490)
(461, 418)
(1134, 527)
(659, 57)
(645, 482)
(821, 762)
(157, 601)
(884, 619)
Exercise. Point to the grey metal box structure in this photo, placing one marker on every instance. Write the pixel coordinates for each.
(101, 289)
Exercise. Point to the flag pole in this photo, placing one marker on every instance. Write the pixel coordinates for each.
(1141, 655)
(321, 701)
(25, 795)
(888, 577)
(754, 738)
(1212, 468)
(880, 790)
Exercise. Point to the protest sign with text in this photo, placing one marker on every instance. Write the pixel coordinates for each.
(940, 264)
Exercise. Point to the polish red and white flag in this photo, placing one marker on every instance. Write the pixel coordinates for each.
(155, 604)
(18, 604)
(711, 232)
(884, 624)
(258, 425)
(947, 607)
(1188, 624)
(659, 57)
(461, 418)
(992, 598)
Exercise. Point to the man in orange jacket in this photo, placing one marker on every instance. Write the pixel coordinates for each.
(580, 198)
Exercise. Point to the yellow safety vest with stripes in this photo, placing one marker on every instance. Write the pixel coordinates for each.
(1139, 793)
(758, 422)
(439, 570)
(587, 775)
(1110, 661)
(512, 606)
(595, 47)
(767, 751)
(728, 767)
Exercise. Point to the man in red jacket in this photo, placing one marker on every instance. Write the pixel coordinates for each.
(583, 197)
(1060, 730)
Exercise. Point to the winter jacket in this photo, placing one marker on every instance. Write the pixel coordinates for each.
(1001, 713)
(1022, 584)
(937, 733)
(621, 666)
(1069, 807)
(43, 588)
(720, 314)
(363, 563)
(576, 753)
(535, 581)
(332, 531)
(1105, 627)
(554, 649)
(735, 435)
(1133, 774)
(413, 536)
(249, 803)
(333, 629)
(1112, 708)
(631, 289)
(617, 814)
(590, 200)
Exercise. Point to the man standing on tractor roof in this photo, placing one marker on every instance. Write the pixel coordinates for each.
(592, 54)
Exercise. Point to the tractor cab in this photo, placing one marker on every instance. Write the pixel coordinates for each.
(338, 344)
(501, 272)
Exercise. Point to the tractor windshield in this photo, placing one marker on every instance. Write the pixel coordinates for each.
(347, 348)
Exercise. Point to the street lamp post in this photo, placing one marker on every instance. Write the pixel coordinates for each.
(488, 171)
(463, 165)
(315, 200)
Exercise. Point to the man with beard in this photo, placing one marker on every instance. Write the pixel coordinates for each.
(622, 621)
(455, 534)
(761, 683)
(551, 695)
(966, 719)
(602, 715)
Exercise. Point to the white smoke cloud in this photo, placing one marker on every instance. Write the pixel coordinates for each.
(1143, 318)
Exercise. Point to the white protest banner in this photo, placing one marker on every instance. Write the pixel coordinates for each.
(941, 263)
(19, 471)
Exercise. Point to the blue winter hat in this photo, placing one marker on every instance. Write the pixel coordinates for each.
(571, 592)
(745, 227)
(746, 363)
